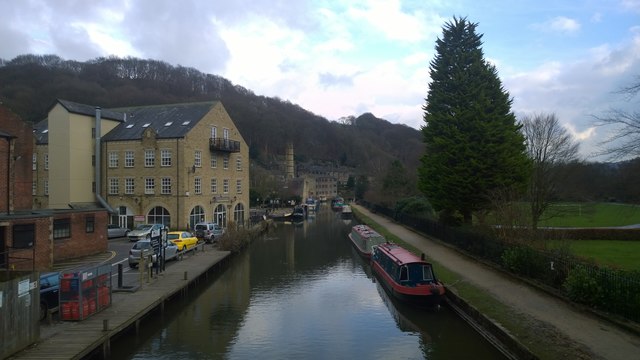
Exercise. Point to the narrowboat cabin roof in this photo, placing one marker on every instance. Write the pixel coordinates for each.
(400, 255)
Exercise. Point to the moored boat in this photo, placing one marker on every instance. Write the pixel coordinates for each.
(346, 212)
(364, 239)
(337, 203)
(408, 277)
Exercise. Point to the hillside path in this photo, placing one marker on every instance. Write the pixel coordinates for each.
(592, 336)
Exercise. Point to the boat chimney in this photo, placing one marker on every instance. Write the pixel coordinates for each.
(422, 257)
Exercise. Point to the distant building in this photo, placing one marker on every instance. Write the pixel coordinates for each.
(175, 164)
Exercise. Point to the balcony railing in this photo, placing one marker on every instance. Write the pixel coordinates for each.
(226, 145)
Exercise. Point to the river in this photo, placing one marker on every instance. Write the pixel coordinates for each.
(300, 292)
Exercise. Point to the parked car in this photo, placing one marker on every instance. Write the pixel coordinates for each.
(145, 231)
(49, 292)
(115, 231)
(144, 248)
(208, 232)
(183, 239)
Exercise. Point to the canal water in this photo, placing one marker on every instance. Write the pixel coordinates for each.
(300, 292)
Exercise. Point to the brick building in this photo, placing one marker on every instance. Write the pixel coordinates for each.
(34, 240)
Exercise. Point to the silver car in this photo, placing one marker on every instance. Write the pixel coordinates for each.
(145, 232)
(144, 248)
(115, 231)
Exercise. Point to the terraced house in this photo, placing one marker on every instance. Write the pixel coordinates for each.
(175, 164)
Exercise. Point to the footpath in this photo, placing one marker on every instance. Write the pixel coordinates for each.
(80, 339)
(565, 330)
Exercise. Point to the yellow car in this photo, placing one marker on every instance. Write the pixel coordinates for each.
(184, 240)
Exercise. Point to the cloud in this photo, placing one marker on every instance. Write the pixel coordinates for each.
(559, 24)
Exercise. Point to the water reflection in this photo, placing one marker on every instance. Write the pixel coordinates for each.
(301, 292)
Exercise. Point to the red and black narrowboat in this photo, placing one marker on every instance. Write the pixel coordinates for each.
(408, 277)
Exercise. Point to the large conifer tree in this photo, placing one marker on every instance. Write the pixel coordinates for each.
(473, 143)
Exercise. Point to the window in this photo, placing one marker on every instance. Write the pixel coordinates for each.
(197, 185)
(214, 132)
(165, 157)
(113, 186)
(149, 185)
(238, 214)
(90, 224)
(129, 185)
(113, 159)
(225, 186)
(46, 187)
(46, 161)
(34, 162)
(128, 159)
(238, 163)
(225, 161)
(214, 161)
(197, 161)
(149, 158)
(214, 186)
(61, 228)
(239, 186)
(24, 235)
(165, 186)
(158, 215)
(34, 188)
(93, 133)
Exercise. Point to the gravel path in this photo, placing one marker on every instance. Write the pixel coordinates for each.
(588, 336)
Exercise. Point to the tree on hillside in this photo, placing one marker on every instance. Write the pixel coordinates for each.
(625, 142)
(473, 143)
(549, 145)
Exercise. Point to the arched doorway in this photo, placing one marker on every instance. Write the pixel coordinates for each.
(238, 214)
(220, 215)
(159, 215)
(196, 216)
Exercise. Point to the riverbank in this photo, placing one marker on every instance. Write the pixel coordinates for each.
(547, 326)
(76, 340)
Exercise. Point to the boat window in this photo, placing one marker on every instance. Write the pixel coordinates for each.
(404, 274)
(427, 273)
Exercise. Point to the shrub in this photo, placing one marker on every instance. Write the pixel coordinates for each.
(524, 260)
(582, 287)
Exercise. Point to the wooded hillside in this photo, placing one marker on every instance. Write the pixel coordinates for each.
(31, 83)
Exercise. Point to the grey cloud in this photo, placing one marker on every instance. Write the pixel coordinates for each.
(329, 80)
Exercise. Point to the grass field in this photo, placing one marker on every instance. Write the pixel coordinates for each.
(615, 254)
(591, 215)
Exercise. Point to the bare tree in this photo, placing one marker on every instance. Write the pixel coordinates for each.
(625, 142)
(548, 145)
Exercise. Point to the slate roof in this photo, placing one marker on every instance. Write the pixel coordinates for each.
(169, 121)
(6, 135)
(41, 132)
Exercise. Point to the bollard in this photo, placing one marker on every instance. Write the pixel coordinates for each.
(185, 275)
(119, 276)
(105, 325)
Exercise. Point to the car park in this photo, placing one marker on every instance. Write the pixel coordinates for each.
(183, 239)
(145, 231)
(144, 248)
(115, 231)
(208, 232)
(49, 292)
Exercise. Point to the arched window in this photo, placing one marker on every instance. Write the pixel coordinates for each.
(238, 215)
(159, 215)
(196, 216)
(220, 215)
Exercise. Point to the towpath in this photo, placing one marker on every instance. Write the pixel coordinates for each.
(580, 334)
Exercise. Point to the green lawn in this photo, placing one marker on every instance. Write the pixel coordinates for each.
(616, 254)
(591, 215)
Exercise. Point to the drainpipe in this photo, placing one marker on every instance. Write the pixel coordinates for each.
(98, 167)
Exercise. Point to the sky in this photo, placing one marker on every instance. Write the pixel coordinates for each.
(339, 58)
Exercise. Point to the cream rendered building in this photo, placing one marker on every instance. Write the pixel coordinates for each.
(174, 164)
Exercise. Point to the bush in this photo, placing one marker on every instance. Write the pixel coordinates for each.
(582, 287)
(524, 260)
